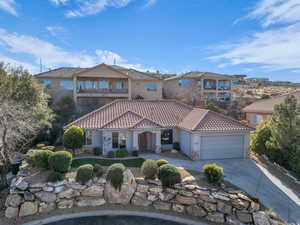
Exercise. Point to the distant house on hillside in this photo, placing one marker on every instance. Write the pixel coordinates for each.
(263, 109)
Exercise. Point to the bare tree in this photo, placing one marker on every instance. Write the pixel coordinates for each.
(18, 127)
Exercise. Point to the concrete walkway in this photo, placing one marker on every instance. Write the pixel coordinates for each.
(254, 179)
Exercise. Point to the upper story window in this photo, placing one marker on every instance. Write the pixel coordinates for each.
(46, 83)
(151, 86)
(167, 137)
(118, 140)
(103, 84)
(185, 83)
(224, 84)
(256, 119)
(210, 84)
(119, 85)
(88, 137)
(66, 84)
(198, 83)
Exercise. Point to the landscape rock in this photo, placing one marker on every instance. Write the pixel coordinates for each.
(93, 191)
(58, 189)
(152, 197)
(224, 208)
(210, 207)
(14, 201)
(186, 200)
(260, 218)
(165, 196)
(254, 207)
(178, 208)
(48, 188)
(230, 220)
(65, 204)
(244, 217)
(216, 217)
(240, 204)
(140, 201)
(21, 184)
(142, 188)
(28, 196)
(69, 193)
(46, 207)
(28, 208)
(11, 212)
(162, 205)
(46, 196)
(196, 211)
(90, 201)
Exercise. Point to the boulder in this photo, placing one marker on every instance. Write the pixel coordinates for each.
(244, 217)
(124, 195)
(21, 184)
(208, 198)
(14, 201)
(89, 201)
(58, 189)
(162, 205)
(200, 192)
(231, 220)
(46, 196)
(178, 208)
(216, 217)
(69, 193)
(11, 212)
(140, 201)
(28, 196)
(240, 204)
(28, 209)
(254, 207)
(142, 188)
(224, 208)
(46, 207)
(186, 193)
(196, 211)
(186, 200)
(65, 204)
(152, 197)
(155, 190)
(76, 186)
(48, 188)
(210, 207)
(260, 218)
(93, 191)
(165, 196)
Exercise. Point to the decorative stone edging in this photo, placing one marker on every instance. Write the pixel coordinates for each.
(100, 157)
(218, 205)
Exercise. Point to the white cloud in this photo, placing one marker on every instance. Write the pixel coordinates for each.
(8, 6)
(59, 2)
(15, 63)
(277, 11)
(149, 3)
(91, 7)
(56, 30)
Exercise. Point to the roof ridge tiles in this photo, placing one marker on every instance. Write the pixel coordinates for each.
(118, 117)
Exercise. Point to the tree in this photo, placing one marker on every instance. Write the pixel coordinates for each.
(260, 137)
(73, 138)
(23, 112)
(212, 107)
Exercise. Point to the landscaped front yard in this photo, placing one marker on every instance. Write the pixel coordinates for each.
(135, 162)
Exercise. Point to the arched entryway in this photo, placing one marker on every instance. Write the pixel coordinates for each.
(147, 142)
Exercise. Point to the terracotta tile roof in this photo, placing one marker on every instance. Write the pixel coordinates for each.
(63, 72)
(156, 114)
(191, 75)
(267, 105)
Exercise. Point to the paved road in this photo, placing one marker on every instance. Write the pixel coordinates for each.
(254, 179)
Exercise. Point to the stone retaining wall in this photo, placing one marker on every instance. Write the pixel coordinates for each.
(216, 205)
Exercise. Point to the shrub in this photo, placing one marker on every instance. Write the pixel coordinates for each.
(161, 162)
(176, 146)
(49, 148)
(97, 151)
(115, 175)
(111, 154)
(60, 161)
(54, 177)
(30, 157)
(98, 170)
(121, 153)
(41, 158)
(149, 169)
(73, 138)
(213, 173)
(40, 146)
(84, 173)
(260, 137)
(135, 153)
(169, 175)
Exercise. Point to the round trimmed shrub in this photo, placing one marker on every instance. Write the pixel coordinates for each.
(135, 153)
(50, 148)
(98, 170)
(97, 151)
(84, 173)
(40, 146)
(149, 169)
(30, 157)
(115, 175)
(73, 138)
(54, 177)
(41, 158)
(60, 161)
(111, 154)
(121, 153)
(161, 162)
(213, 173)
(169, 175)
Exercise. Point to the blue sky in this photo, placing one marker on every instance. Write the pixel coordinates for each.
(258, 37)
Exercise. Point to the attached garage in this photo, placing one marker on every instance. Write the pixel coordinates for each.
(222, 147)
(185, 142)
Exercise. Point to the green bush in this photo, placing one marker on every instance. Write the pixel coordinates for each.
(176, 146)
(260, 137)
(213, 173)
(84, 173)
(161, 162)
(111, 154)
(135, 153)
(50, 148)
(60, 161)
(98, 170)
(73, 138)
(55, 177)
(97, 151)
(40, 146)
(41, 158)
(150, 169)
(30, 157)
(121, 153)
(169, 175)
(115, 175)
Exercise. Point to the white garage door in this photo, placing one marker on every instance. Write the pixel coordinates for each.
(222, 147)
(185, 142)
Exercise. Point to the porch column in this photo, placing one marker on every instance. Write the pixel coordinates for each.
(129, 89)
(158, 141)
(135, 141)
(217, 89)
(75, 89)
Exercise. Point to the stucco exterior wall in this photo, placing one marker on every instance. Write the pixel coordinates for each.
(139, 88)
(250, 118)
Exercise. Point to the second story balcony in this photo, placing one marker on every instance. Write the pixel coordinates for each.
(103, 90)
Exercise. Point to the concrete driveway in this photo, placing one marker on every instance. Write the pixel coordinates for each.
(255, 180)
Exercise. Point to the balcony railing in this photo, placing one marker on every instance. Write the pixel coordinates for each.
(104, 90)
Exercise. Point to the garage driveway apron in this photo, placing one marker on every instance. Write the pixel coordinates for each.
(254, 179)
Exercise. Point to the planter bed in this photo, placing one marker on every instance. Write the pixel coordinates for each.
(130, 162)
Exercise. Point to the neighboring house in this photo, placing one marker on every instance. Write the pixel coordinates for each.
(195, 87)
(152, 126)
(94, 87)
(263, 109)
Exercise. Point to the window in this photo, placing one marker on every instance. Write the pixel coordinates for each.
(66, 84)
(46, 83)
(228, 84)
(209, 84)
(88, 137)
(221, 84)
(167, 137)
(257, 119)
(103, 84)
(80, 85)
(151, 87)
(185, 83)
(199, 83)
(118, 140)
(119, 85)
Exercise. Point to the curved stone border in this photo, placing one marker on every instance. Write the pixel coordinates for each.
(100, 213)
(99, 157)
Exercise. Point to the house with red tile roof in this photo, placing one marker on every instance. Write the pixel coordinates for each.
(154, 126)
